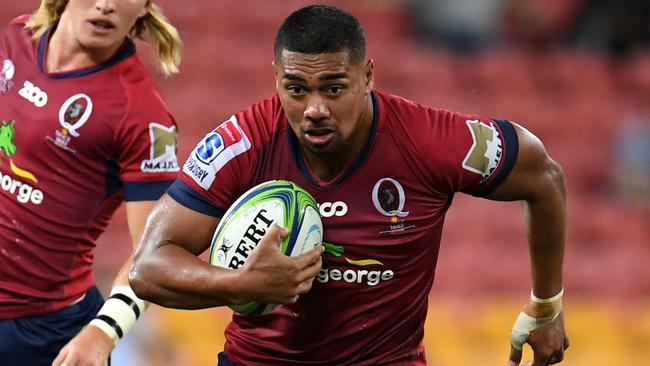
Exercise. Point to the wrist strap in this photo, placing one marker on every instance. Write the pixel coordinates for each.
(535, 314)
(549, 300)
(119, 312)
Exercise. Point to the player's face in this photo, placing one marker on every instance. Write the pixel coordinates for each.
(325, 98)
(102, 25)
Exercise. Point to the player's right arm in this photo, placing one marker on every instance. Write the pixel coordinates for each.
(167, 271)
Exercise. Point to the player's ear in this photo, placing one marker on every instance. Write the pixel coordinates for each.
(275, 73)
(369, 74)
(145, 10)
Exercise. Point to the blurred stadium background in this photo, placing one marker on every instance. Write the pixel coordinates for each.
(575, 72)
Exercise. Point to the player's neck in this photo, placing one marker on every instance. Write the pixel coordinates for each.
(327, 168)
(65, 53)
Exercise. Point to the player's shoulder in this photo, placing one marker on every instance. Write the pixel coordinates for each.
(132, 73)
(267, 109)
(413, 117)
(139, 87)
(244, 133)
(263, 119)
(19, 22)
(16, 28)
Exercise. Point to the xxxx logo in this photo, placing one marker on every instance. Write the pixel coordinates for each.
(370, 277)
(24, 192)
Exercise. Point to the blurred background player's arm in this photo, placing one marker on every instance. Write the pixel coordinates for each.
(539, 181)
(92, 346)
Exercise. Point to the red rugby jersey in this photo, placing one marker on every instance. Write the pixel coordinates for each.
(382, 219)
(73, 146)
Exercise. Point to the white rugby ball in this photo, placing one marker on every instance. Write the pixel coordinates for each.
(251, 215)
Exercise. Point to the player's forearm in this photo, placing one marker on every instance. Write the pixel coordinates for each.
(122, 277)
(121, 309)
(173, 277)
(546, 230)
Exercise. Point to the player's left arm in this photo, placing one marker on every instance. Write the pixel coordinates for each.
(539, 182)
(95, 342)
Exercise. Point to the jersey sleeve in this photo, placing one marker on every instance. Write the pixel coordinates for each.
(147, 140)
(215, 171)
(490, 157)
(471, 154)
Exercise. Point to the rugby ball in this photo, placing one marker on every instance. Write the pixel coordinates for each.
(251, 215)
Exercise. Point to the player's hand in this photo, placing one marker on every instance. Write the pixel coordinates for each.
(91, 347)
(273, 277)
(548, 343)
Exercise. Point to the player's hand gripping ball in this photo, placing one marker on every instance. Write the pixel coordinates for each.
(249, 217)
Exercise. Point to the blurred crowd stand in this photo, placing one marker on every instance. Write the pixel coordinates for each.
(631, 178)
(574, 72)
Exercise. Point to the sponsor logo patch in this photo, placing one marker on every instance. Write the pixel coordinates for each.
(215, 150)
(485, 154)
(371, 272)
(6, 75)
(24, 192)
(329, 209)
(162, 151)
(33, 94)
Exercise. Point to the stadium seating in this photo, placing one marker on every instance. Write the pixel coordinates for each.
(574, 101)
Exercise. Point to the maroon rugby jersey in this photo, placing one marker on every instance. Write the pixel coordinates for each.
(73, 146)
(382, 220)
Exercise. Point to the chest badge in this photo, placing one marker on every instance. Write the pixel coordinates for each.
(389, 199)
(73, 114)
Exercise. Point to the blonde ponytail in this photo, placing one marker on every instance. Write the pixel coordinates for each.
(162, 36)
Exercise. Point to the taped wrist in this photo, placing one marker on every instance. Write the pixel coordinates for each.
(119, 312)
(537, 313)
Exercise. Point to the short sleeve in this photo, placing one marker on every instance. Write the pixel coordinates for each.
(148, 143)
(466, 153)
(216, 170)
(492, 155)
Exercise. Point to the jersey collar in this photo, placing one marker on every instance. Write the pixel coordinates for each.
(294, 146)
(127, 49)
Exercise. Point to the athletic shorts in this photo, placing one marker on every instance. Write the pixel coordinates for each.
(224, 360)
(37, 340)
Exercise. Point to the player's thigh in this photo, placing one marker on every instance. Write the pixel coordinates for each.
(37, 340)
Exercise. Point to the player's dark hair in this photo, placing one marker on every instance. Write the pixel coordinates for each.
(321, 29)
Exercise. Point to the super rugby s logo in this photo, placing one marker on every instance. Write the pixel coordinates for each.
(23, 191)
(215, 150)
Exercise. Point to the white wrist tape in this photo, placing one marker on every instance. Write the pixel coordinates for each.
(555, 298)
(119, 312)
(525, 323)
